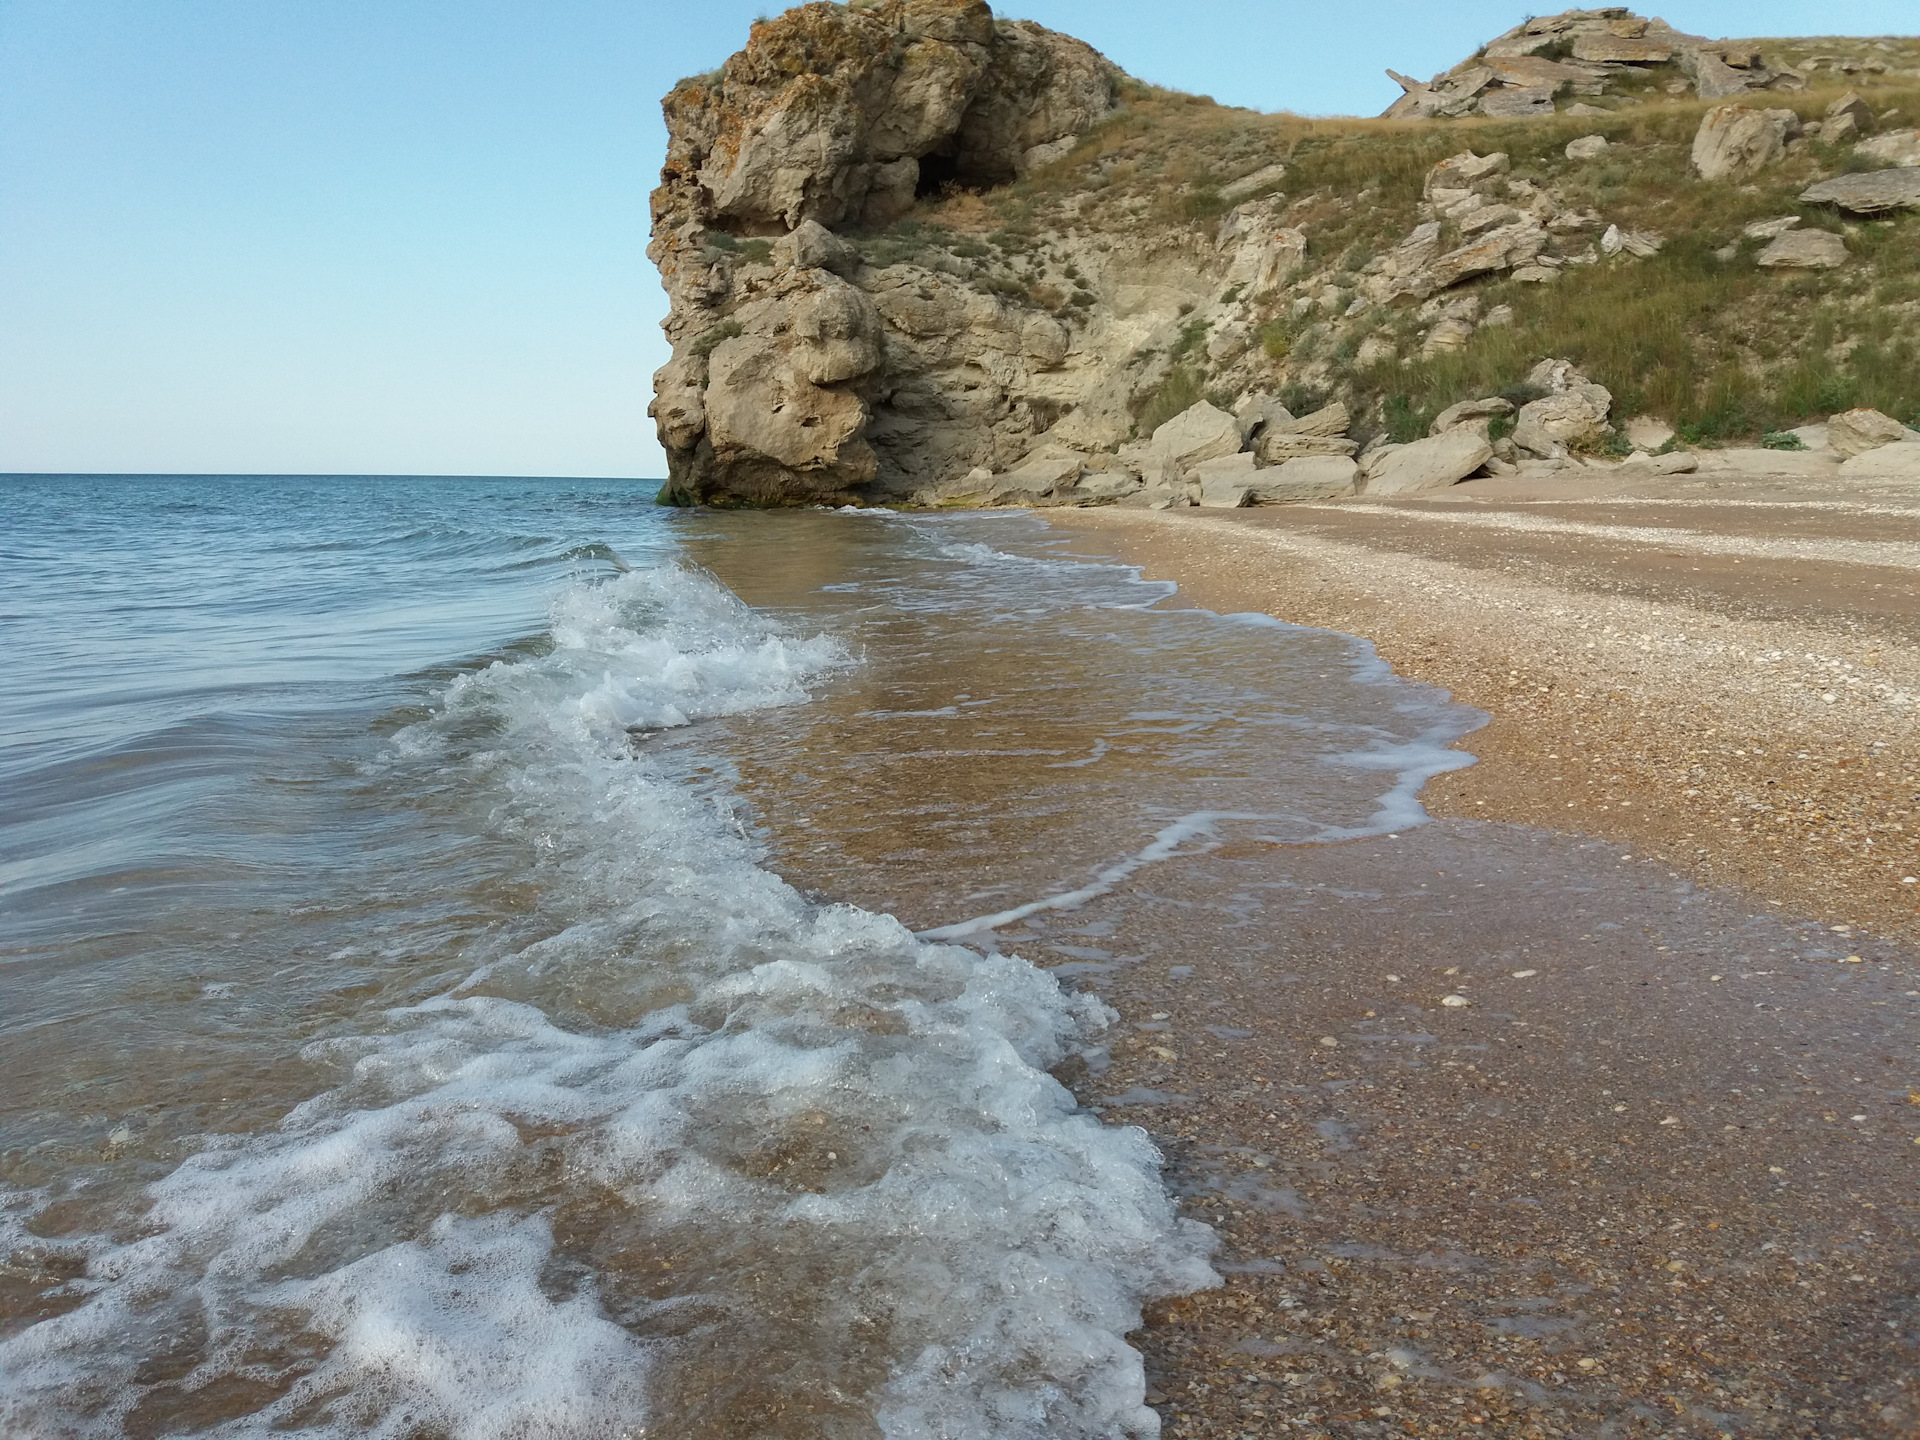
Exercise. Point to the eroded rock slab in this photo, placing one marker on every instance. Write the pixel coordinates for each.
(1872, 192)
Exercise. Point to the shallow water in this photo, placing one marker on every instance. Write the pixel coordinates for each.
(406, 1033)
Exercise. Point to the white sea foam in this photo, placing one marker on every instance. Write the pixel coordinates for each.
(695, 1111)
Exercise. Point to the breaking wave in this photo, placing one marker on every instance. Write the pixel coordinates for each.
(686, 1119)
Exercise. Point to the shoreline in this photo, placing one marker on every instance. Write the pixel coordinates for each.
(1502, 1129)
(1529, 1120)
(1576, 1110)
(1775, 755)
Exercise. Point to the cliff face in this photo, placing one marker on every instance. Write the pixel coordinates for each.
(798, 369)
(919, 254)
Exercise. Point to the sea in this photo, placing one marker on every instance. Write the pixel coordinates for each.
(432, 1004)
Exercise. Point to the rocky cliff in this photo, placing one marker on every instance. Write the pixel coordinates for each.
(919, 254)
(800, 371)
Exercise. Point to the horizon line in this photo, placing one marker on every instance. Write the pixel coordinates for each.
(300, 475)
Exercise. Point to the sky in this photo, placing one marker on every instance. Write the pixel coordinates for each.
(408, 236)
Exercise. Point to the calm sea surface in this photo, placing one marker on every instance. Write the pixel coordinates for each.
(405, 1029)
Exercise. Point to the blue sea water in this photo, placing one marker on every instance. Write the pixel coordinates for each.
(407, 1029)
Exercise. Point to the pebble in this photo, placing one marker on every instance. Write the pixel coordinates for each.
(1454, 1002)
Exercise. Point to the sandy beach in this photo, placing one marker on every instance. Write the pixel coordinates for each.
(1593, 1106)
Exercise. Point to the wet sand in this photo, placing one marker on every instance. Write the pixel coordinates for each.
(1597, 1112)
(1592, 1107)
(1654, 1177)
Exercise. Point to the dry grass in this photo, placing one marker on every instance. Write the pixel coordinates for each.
(1724, 350)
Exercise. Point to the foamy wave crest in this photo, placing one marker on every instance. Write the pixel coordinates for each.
(699, 1158)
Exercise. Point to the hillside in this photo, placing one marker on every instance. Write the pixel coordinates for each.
(1036, 300)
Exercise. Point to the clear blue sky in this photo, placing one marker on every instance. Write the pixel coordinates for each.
(408, 236)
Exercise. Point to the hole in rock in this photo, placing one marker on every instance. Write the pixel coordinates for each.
(936, 173)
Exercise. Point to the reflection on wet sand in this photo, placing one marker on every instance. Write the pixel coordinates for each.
(1021, 721)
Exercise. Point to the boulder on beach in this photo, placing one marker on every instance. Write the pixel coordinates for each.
(1573, 412)
(1310, 477)
(1854, 432)
(1200, 433)
(1226, 481)
(1430, 464)
(1899, 461)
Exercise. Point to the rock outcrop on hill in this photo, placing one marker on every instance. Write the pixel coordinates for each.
(920, 254)
(839, 116)
(1579, 56)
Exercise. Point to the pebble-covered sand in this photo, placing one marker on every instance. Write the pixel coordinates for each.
(1753, 723)
(1592, 1108)
(1509, 1133)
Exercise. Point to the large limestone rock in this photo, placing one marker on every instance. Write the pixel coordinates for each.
(1254, 181)
(1518, 102)
(1470, 412)
(1501, 249)
(1307, 477)
(1804, 250)
(798, 373)
(1258, 411)
(1037, 478)
(1854, 432)
(1899, 461)
(1196, 435)
(1622, 50)
(1713, 78)
(1734, 141)
(1430, 464)
(1328, 420)
(1322, 433)
(1403, 269)
(1265, 253)
(1107, 487)
(1267, 260)
(780, 419)
(1276, 447)
(811, 246)
(1573, 412)
(1548, 426)
(1851, 107)
(1518, 74)
(1227, 482)
(1872, 193)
